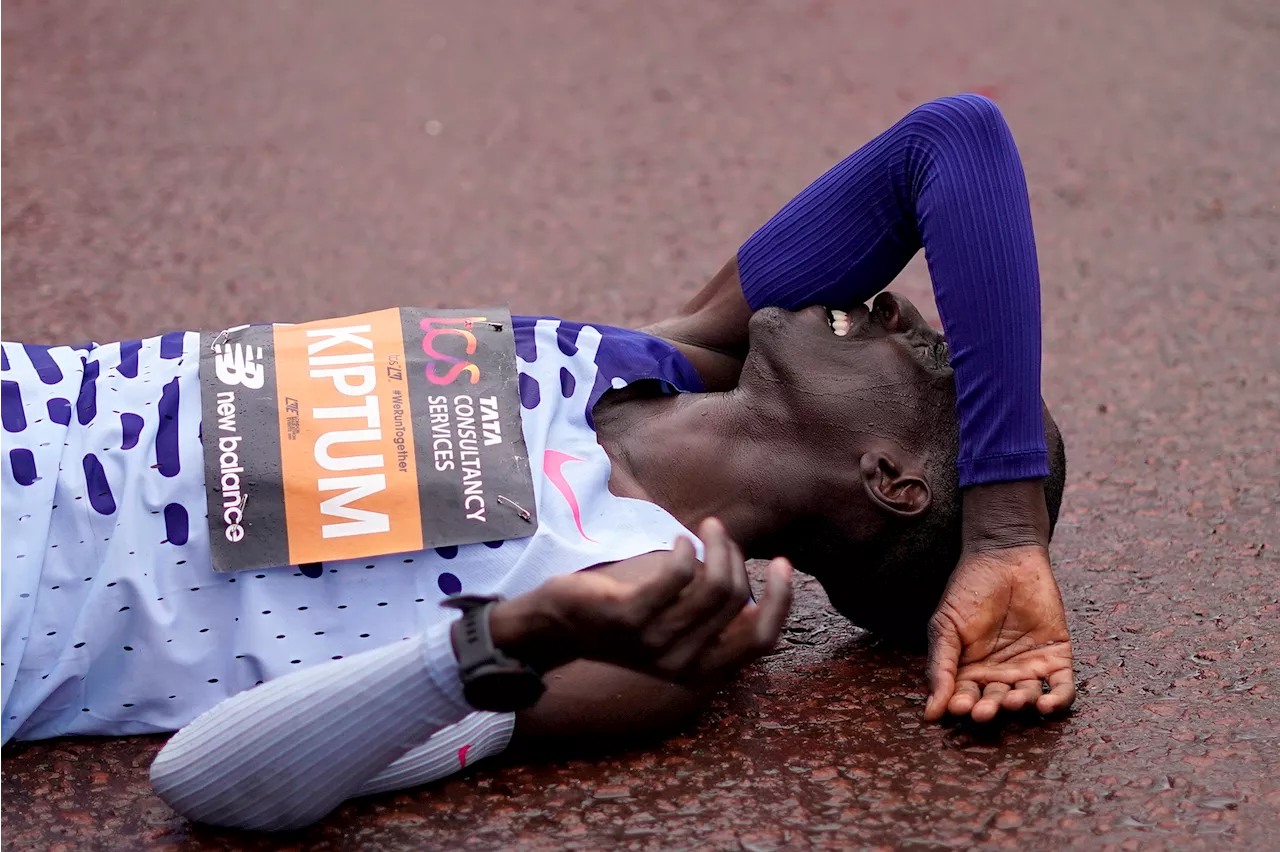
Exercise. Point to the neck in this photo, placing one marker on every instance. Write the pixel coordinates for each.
(702, 455)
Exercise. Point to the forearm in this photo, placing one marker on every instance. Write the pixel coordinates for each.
(947, 178)
(589, 700)
(284, 754)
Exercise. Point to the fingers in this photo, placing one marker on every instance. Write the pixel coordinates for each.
(754, 631)
(727, 584)
(705, 607)
(1024, 692)
(773, 610)
(944, 656)
(1061, 694)
(966, 695)
(984, 703)
(989, 705)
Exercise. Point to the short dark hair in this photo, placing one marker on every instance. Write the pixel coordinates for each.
(900, 576)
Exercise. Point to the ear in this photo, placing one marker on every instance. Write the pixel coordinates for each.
(896, 489)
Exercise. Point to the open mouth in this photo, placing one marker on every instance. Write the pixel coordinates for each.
(839, 321)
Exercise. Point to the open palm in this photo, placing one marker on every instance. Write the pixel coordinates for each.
(998, 635)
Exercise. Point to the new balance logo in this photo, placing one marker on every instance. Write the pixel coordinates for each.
(238, 365)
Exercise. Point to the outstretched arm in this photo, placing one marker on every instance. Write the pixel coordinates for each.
(947, 178)
(284, 754)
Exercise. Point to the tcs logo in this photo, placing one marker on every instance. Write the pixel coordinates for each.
(457, 366)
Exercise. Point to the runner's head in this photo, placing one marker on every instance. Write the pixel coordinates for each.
(870, 417)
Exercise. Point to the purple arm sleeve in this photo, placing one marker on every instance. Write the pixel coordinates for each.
(946, 177)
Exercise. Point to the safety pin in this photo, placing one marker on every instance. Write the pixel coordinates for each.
(222, 336)
(496, 326)
(524, 513)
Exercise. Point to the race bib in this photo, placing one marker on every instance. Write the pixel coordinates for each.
(386, 432)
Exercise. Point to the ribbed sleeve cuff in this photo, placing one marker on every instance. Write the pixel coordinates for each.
(1005, 467)
(450, 750)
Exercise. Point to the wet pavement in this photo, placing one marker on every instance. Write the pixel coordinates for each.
(196, 166)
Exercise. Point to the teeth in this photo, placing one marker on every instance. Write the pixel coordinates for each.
(839, 322)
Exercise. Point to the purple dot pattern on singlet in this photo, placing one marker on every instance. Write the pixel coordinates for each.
(530, 394)
(87, 401)
(449, 583)
(176, 528)
(526, 347)
(449, 551)
(494, 544)
(59, 410)
(171, 345)
(567, 383)
(631, 355)
(97, 487)
(312, 569)
(129, 350)
(24, 466)
(131, 428)
(11, 411)
(567, 338)
(46, 368)
(167, 458)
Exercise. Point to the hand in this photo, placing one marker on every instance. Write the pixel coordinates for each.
(1001, 622)
(685, 621)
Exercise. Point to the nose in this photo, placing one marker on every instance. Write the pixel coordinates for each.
(895, 313)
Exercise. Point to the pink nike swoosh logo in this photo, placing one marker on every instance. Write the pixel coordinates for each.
(552, 463)
(462, 755)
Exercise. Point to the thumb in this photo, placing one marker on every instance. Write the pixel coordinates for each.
(944, 657)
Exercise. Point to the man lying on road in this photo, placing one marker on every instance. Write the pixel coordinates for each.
(836, 437)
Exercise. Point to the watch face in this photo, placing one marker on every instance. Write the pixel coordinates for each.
(504, 690)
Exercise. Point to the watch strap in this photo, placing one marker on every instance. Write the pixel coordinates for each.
(491, 680)
(472, 640)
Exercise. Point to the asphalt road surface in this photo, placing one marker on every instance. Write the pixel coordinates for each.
(199, 165)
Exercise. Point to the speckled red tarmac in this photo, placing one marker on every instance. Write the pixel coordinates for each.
(197, 165)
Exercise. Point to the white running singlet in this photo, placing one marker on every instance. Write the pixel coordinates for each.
(114, 622)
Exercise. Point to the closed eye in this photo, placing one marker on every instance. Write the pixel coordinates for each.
(934, 354)
(943, 353)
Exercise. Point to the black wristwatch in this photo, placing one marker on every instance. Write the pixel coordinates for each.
(490, 679)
